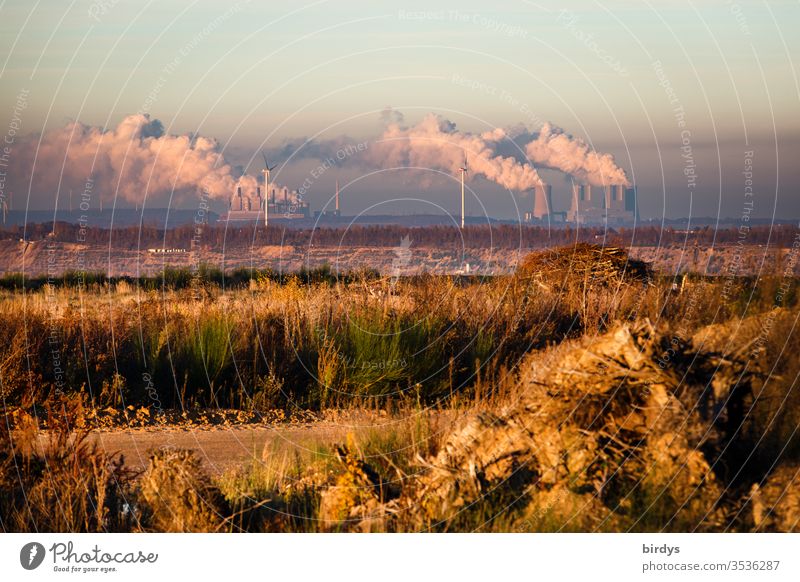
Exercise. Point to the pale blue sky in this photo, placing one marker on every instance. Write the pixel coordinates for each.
(251, 72)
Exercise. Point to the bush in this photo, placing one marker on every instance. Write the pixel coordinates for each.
(64, 484)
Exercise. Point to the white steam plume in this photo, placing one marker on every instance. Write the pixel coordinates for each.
(553, 148)
(504, 156)
(436, 143)
(136, 158)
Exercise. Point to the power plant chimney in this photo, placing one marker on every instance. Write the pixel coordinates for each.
(266, 171)
(337, 196)
(463, 170)
(542, 201)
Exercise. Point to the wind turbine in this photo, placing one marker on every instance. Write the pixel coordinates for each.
(463, 170)
(267, 169)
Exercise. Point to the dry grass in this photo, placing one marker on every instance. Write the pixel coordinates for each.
(61, 483)
(178, 496)
(291, 344)
(716, 454)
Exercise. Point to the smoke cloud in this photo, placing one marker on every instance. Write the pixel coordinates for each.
(508, 157)
(553, 148)
(136, 159)
(436, 143)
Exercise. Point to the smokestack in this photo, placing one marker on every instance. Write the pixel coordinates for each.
(608, 195)
(542, 201)
(463, 171)
(615, 197)
(582, 192)
(337, 195)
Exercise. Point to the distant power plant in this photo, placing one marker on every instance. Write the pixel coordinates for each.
(282, 203)
(247, 203)
(612, 204)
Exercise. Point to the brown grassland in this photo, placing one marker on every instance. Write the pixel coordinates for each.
(582, 393)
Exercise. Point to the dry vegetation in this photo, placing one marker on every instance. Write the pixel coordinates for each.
(584, 393)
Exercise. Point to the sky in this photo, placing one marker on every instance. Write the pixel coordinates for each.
(695, 100)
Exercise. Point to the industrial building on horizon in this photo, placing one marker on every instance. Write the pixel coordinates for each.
(612, 204)
(249, 205)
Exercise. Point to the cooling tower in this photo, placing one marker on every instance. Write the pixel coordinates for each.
(582, 192)
(631, 202)
(614, 197)
(542, 201)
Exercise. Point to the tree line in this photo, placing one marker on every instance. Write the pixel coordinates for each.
(506, 236)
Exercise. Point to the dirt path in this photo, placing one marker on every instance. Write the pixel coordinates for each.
(219, 448)
(222, 447)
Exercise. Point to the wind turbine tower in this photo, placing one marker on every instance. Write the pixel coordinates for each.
(266, 171)
(463, 170)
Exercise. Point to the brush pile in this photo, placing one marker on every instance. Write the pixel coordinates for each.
(604, 436)
(776, 502)
(583, 264)
(596, 429)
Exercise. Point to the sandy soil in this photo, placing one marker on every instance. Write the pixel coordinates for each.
(42, 258)
(219, 448)
(223, 447)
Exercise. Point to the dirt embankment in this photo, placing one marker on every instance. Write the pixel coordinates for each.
(40, 258)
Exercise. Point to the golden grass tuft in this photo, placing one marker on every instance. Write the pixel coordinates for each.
(58, 481)
(179, 496)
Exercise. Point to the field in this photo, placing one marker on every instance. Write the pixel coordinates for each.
(584, 391)
(47, 249)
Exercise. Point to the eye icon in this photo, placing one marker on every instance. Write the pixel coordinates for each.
(31, 555)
